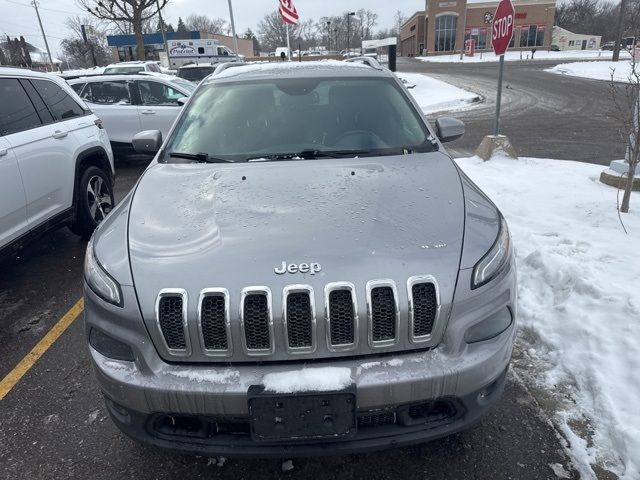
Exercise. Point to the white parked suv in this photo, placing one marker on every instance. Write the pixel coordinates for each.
(128, 104)
(56, 164)
(132, 67)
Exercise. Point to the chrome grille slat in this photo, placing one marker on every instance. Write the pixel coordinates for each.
(299, 319)
(342, 316)
(424, 307)
(171, 319)
(256, 319)
(214, 326)
(383, 313)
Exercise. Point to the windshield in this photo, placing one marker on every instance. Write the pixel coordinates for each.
(195, 73)
(281, 117)
(186, 84)
(126, 70)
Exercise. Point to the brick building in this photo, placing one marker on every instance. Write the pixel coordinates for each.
(444, 25)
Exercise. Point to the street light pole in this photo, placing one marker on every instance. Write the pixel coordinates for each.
(233, 31)
(164, 34)
(46, 44)
(328, 35)
(349, 15)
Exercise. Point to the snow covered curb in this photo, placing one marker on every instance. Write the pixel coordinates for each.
(579, 305)
(435, 95)
(595, 70)
(513, 56)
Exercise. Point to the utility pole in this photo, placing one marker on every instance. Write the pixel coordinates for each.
(164, 34)
(83, 28)
(46, 44)
(233, 31)
(616, 47)
(349, 15)
(328, 35)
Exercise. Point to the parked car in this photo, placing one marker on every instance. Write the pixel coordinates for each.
(128, 104)
(196, 72)
(132, 67)
(302, 269)
(608, 46)
(56, 165)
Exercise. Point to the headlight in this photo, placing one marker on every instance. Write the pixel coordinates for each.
(495, 259)
(99, 280)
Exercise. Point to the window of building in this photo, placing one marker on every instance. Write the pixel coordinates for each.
(480, 35)
(532, 35)
(446, 33)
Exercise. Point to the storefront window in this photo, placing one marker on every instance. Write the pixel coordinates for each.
(532, 35)
(446, 33)
(480, 35)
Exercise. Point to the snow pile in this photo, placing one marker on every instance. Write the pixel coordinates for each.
(285, 67)
(434, 95)
(209, 375)
(579, 299)
(323, 379)
(526, 55)
(82, 71)
(595, 70)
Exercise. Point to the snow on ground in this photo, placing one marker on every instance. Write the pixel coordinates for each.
(434, 95)
(323, 379)
(595, 70)
(579, 299)
(526, 55)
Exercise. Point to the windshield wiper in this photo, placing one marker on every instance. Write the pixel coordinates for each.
(307, 155)
(200, 157)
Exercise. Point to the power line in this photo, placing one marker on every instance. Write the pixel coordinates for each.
(57, 10)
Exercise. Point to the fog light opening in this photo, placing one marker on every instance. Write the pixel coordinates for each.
(109, 346)
(490, 327)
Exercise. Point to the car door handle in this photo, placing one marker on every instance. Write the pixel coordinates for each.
(3, 152)
(59, 134)
(148, 112)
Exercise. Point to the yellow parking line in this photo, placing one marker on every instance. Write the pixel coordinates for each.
(36, 352)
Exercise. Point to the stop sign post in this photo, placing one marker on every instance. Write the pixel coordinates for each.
(501, 35)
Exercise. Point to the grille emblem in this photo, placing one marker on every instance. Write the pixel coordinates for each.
(311, 268)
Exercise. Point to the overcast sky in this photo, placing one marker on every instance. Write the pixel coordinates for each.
(18, 17)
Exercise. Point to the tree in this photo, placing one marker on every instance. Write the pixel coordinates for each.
(3, 58)
(273, 32)
(182, 32)
(26, 56)
(368, 19)
(132, 12)
(249, 35)
(79, 54)
(202, 23)
(399, 19)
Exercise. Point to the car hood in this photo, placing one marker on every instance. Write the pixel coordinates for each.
(196, 226)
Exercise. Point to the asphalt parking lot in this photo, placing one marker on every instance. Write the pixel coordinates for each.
(54, 423)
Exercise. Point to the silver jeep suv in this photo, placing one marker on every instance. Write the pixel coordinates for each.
(302, 270)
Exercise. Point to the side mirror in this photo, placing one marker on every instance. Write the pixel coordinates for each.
(147, 142)
(449, 129)
(182, 100)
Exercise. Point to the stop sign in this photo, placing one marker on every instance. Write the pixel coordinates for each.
(502, 30)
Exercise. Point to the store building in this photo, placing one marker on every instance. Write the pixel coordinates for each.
(123, 47)
(444, 25)
(566, 40)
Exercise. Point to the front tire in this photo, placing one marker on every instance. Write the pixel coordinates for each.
(95, 200)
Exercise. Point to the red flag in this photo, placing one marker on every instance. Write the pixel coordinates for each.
(288, 12)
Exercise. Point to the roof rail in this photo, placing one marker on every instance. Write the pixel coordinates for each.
(225, 65)
(372, 62)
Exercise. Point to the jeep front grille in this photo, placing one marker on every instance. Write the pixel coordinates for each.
(171, 315)
(299, 318)
(257, 321)
(387, 324)
(213, 321)
(423, 307)
(342, 316)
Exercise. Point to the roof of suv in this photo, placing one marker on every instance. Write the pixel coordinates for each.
(323, 68)
(121, 76)
(22, 72)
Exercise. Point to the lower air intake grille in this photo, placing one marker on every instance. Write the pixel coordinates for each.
(376, 419)
(424, 308)
(341, 317)
(214, 329)
(256, 321)
(299, 317)
(383, 314)
(171, 322)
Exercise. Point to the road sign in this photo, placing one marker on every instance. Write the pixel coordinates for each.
(502, 29)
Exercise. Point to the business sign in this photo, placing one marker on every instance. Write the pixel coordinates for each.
(447, 4)
(182, 50)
